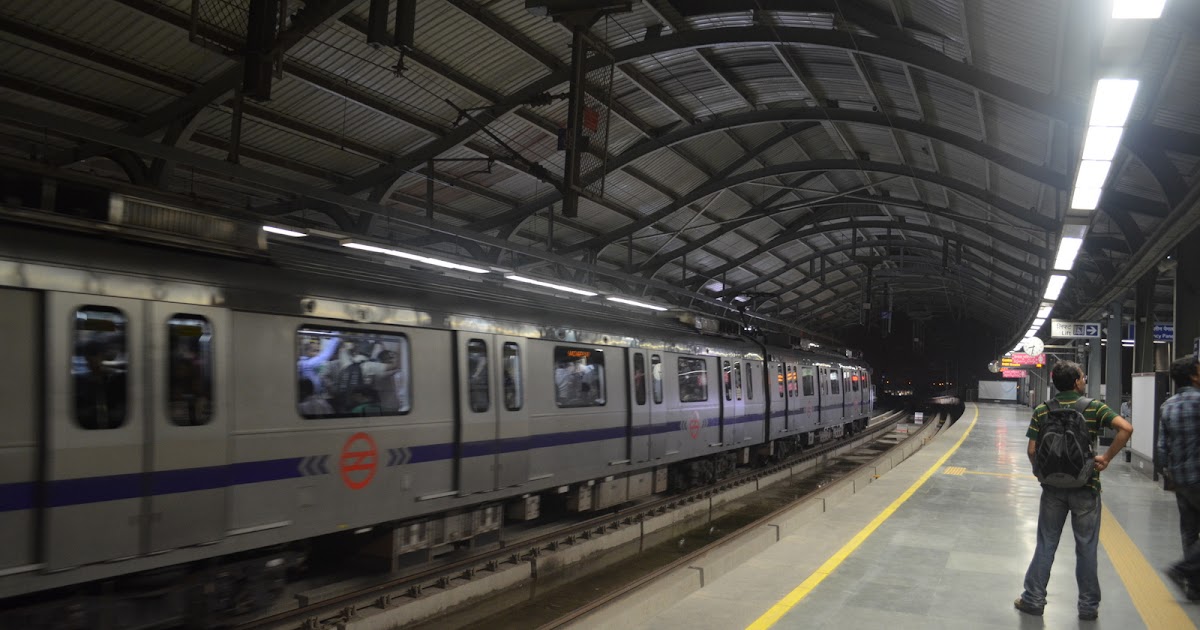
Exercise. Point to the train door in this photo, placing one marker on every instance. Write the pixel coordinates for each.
(94, 457)
(640, 423)
(493, 424)
(658, 439)
(187, 423)
(777, 398)
(733, 403)
(824, 412)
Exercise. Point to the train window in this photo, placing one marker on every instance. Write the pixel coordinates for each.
(514, 387)
(780, 371)
(100, 367)
(579, 377)
(639, 378)
(737, 379)
(656, 378)
(343, 373)
(834, 386)
(479, 386)
(189, 370)
(793, 386)
(807, 374)
(693, 380)
(727, 379)
(854, 381)
(749, 382)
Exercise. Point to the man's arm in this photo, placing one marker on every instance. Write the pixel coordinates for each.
(1124, 431)
(1032, 450)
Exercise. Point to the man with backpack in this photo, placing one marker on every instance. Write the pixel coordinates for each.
(1061, 434)
(1179, 453)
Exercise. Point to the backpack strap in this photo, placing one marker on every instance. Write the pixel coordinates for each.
(1082, 404)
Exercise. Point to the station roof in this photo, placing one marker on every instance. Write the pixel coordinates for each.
(914, 155)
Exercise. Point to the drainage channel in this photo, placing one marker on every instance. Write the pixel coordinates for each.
(546, 599)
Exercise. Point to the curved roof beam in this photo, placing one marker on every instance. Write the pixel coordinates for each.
(936, 266)
(876, 241)
(986, 197)
(814, 228)
(716, 124)
(903, 52)
(856, 205)
(984, 302)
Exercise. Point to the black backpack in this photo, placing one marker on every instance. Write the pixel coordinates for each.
(1065, 457)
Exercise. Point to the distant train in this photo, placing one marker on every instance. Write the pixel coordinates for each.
(197, 420)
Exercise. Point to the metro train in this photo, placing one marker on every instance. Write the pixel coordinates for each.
(204, 421)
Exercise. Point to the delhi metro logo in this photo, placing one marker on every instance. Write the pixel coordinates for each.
(694, 425)
(359, 461)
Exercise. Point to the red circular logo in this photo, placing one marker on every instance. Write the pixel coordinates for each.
(694, 426)
(359, 461)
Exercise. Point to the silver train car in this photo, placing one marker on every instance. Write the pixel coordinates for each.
(210, 419)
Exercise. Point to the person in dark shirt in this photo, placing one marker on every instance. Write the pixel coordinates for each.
(1179, 454)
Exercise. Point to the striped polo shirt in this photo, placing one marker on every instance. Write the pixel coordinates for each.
(1098, 416)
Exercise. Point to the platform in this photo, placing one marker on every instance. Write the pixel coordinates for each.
(943, 541)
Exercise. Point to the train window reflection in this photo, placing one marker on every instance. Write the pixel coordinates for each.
(749, 381)
(189, 370)
(579, 379)
(693, 380)
(780, 372)
(656, 378)
(727, 379)
(344, 373)
(478, 383)
(514, 387)
(737, 380)
(807, 374)
(834, 386)
(100, 367)
(639, 378)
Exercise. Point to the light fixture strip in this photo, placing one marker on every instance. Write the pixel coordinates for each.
(548, 285)
(436, 262)
(635, 303)
(1054, 288)
(283, 232)
(1068, 250)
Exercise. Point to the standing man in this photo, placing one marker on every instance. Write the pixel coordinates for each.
(1083, 504)
(1179, 452)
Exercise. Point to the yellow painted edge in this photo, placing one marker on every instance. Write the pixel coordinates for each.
(1158, 606)
(776, 612)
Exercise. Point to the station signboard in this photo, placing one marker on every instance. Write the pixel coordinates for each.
(1027, 360)
(1012, 373)
(1162, 332)
(1063, 329)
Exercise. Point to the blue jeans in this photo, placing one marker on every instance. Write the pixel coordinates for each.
(1083, 504)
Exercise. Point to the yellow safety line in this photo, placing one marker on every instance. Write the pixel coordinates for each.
(1158, 606)
(996, 474)
(781, 608)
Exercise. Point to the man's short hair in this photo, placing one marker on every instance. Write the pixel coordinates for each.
(1182, 370)
(1064, 375)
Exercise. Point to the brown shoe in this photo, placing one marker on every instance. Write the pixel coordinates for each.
(1027, 608)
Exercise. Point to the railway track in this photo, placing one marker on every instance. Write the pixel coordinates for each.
(536, 552)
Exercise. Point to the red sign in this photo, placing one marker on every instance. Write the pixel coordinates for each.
(1012, 373)
(694, 425)
(1020, 358)
(359, 461)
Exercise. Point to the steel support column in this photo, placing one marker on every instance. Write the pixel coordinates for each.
(1187, 294)
(570, 206)
(1094, 366)
(1143, 331)
(1114, 376)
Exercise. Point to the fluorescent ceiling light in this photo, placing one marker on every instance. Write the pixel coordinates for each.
(636, 303)
(1085, 199)
(1044, 312)
(1055, 286)
(282, 232)
(1101, 142)
(1037, 323)
(414, 257)
(1137, 9)
(549, 285)
(1112, 102)
(1068, 249)
(1092, 173)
